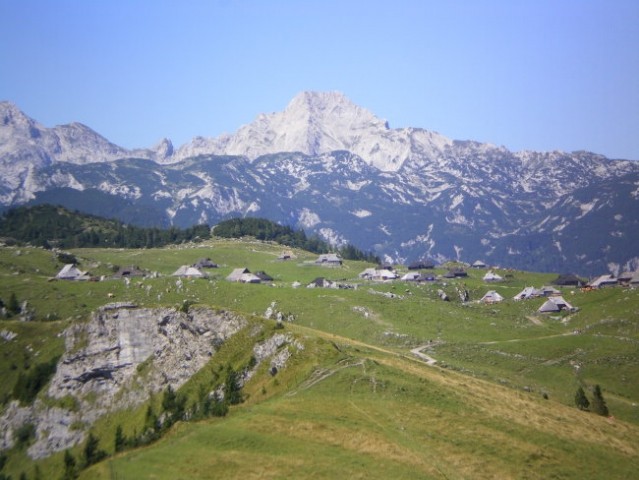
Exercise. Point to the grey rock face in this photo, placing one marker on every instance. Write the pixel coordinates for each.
(114, 361)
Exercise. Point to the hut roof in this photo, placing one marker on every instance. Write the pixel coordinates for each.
(188, 271)
(492, 297)
(71, 272)
(236, 274)
(205, 263)
(492, 277)
(265, 277)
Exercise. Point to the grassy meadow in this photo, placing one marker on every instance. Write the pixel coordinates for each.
(356, 402)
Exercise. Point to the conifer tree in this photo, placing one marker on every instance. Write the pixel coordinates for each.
(581, 400)
(70, 470)
(598, 403)
(232, 388)
(92, 452)
(13, 306)
(120, 440)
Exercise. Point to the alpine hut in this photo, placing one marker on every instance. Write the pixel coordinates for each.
(71, 272)
(492, 297)
(188, 271)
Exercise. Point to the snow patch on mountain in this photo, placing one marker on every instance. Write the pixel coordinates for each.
(560, 226)
(421, 239)
(300, 186)
(333, 237)
(121, 190)
(587, 207)
(159, 194)
(67, 180)
(182, 193)
(231, 202)
(456, 201)
(362, 213)
(357, 186)
(308, 219)
(458, 218)
(254, 207)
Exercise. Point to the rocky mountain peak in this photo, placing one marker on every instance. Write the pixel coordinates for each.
(330, 108)
(13, 120)
(315, 123)
(164, 149)
(10, 113)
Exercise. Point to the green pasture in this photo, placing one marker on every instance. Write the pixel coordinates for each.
(356, 393)
(381, 416)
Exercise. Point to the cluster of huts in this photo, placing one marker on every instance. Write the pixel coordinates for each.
(197, 270)
(244, 275)
(71, 272)
(383, 273)
(555, 302)
(623, 279)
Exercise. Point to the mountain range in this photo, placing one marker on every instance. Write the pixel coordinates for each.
(335, 169)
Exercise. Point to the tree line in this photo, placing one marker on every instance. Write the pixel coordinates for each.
(53, 226)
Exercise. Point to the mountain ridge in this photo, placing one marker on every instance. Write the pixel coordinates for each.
(337, 170)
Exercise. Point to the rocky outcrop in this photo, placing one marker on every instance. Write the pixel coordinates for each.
(278, 349)
(114, 361)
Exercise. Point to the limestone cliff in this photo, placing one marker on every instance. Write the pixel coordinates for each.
(117, 360)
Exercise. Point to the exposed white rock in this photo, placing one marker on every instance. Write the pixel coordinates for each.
(115, 361)
(321, 122)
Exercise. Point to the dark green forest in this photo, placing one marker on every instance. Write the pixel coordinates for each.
(55, 226)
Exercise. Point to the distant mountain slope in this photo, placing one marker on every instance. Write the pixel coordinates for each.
(333, 168)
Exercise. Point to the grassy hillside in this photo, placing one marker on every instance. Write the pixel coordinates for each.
(499, 404)
(361, 413)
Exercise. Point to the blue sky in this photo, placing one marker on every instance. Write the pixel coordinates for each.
(535, 74)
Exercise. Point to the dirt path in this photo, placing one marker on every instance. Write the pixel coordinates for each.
(516, 340)
(535, 320)
(427, 358)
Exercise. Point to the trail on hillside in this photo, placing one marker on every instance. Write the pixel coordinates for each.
(430, 361)
(321, 374)
(516, 340)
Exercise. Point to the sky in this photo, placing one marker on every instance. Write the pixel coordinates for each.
(526, 74)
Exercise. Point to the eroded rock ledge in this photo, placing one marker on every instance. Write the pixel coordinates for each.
(114, 361)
